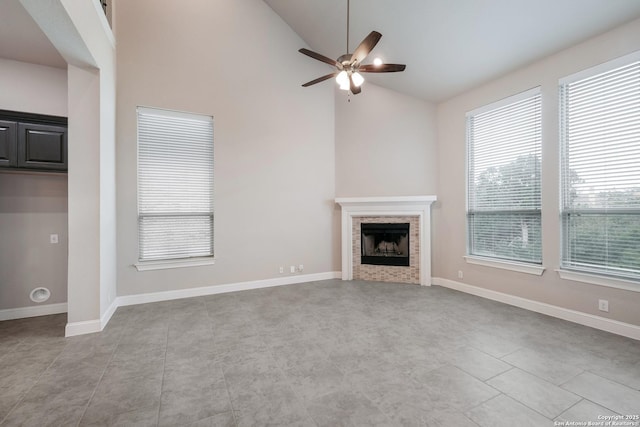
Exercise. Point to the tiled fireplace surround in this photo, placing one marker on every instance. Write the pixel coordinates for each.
(416, 210)
(387, 273)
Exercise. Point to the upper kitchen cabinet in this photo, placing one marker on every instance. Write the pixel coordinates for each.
(42, 146)
(8, 143)
(33, 141)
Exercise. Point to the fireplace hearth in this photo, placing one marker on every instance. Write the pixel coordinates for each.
(385, 244)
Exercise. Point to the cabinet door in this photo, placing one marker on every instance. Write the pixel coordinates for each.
(8, 144)
(42, 146)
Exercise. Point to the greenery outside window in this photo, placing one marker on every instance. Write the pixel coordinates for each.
(503, 179)
(600, 169)
(175, 185)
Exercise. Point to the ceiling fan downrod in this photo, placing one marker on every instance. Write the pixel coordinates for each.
(348, 4)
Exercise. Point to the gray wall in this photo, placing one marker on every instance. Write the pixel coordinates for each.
(32, 206)
(449, 213)
(385, 144)
(273, 140)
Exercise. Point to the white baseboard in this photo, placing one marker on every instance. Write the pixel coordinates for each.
(81, 328)
(108, 313)
(220, 289)
(597, 322)
(91, 326)
(32, 311)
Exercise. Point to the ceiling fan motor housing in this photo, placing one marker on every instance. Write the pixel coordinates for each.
(345, 59)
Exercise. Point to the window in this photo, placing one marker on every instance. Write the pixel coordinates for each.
(600, 169)
(175, 185)
(503, 181)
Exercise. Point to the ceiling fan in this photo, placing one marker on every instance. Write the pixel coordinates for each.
(349, 66)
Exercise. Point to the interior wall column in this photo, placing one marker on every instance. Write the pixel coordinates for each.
(84, 194)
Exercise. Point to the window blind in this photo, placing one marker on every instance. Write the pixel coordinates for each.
(503, 185)
(175, 185)
(600, 169)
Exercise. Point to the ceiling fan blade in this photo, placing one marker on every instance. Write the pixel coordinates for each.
(384, 68)
(322, 58)
(365, 47)
(320, 79)
(354, 89)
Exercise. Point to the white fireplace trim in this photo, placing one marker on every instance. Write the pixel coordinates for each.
(419, 206)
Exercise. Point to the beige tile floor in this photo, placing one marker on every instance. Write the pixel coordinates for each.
(328, 353)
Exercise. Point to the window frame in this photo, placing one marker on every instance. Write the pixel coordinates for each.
(586, 274)
(191, 261)
(522, 266)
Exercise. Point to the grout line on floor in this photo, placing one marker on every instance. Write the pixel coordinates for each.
(23, 395)
(504, 372)
(164, 370)
(224, 378)
(104, 370)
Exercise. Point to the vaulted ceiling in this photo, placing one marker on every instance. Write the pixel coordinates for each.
(450, 46)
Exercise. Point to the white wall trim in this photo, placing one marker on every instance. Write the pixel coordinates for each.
(173, 263)
(520, 267)
(108, 313)
(105, 24)
(610, 282)
(91, 326)
(601, 68)
(32, 311)
(81, 328)
(597, 322)
(219, 289)
(505, 101)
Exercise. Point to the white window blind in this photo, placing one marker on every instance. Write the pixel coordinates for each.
(600, 169)
(175, 185)
(503, 179)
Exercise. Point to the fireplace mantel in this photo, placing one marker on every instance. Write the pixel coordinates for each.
(419, 206)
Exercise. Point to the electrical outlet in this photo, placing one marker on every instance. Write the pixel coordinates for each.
(300, 268)
(281, 270)
(460, 274)
(603, 305)
(53, 238)
(292, 269)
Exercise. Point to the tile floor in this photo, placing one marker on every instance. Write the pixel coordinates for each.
(327, 353)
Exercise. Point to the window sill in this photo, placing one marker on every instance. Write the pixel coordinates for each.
(173, 263)
(594, 279)
(520, 267)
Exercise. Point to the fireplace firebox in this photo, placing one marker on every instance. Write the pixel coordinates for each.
(385, 244)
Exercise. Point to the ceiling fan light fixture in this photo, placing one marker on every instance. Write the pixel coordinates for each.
(357, 79)
(349, 66)
(343, 80)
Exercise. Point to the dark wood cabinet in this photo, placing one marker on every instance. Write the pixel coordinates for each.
(8, 143)
(42, 146)
(33, 141)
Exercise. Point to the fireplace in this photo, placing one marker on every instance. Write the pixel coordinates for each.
(385, 244)
(415, 210)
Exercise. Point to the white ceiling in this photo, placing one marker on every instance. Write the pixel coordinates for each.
(22, 40)
(450, 46)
